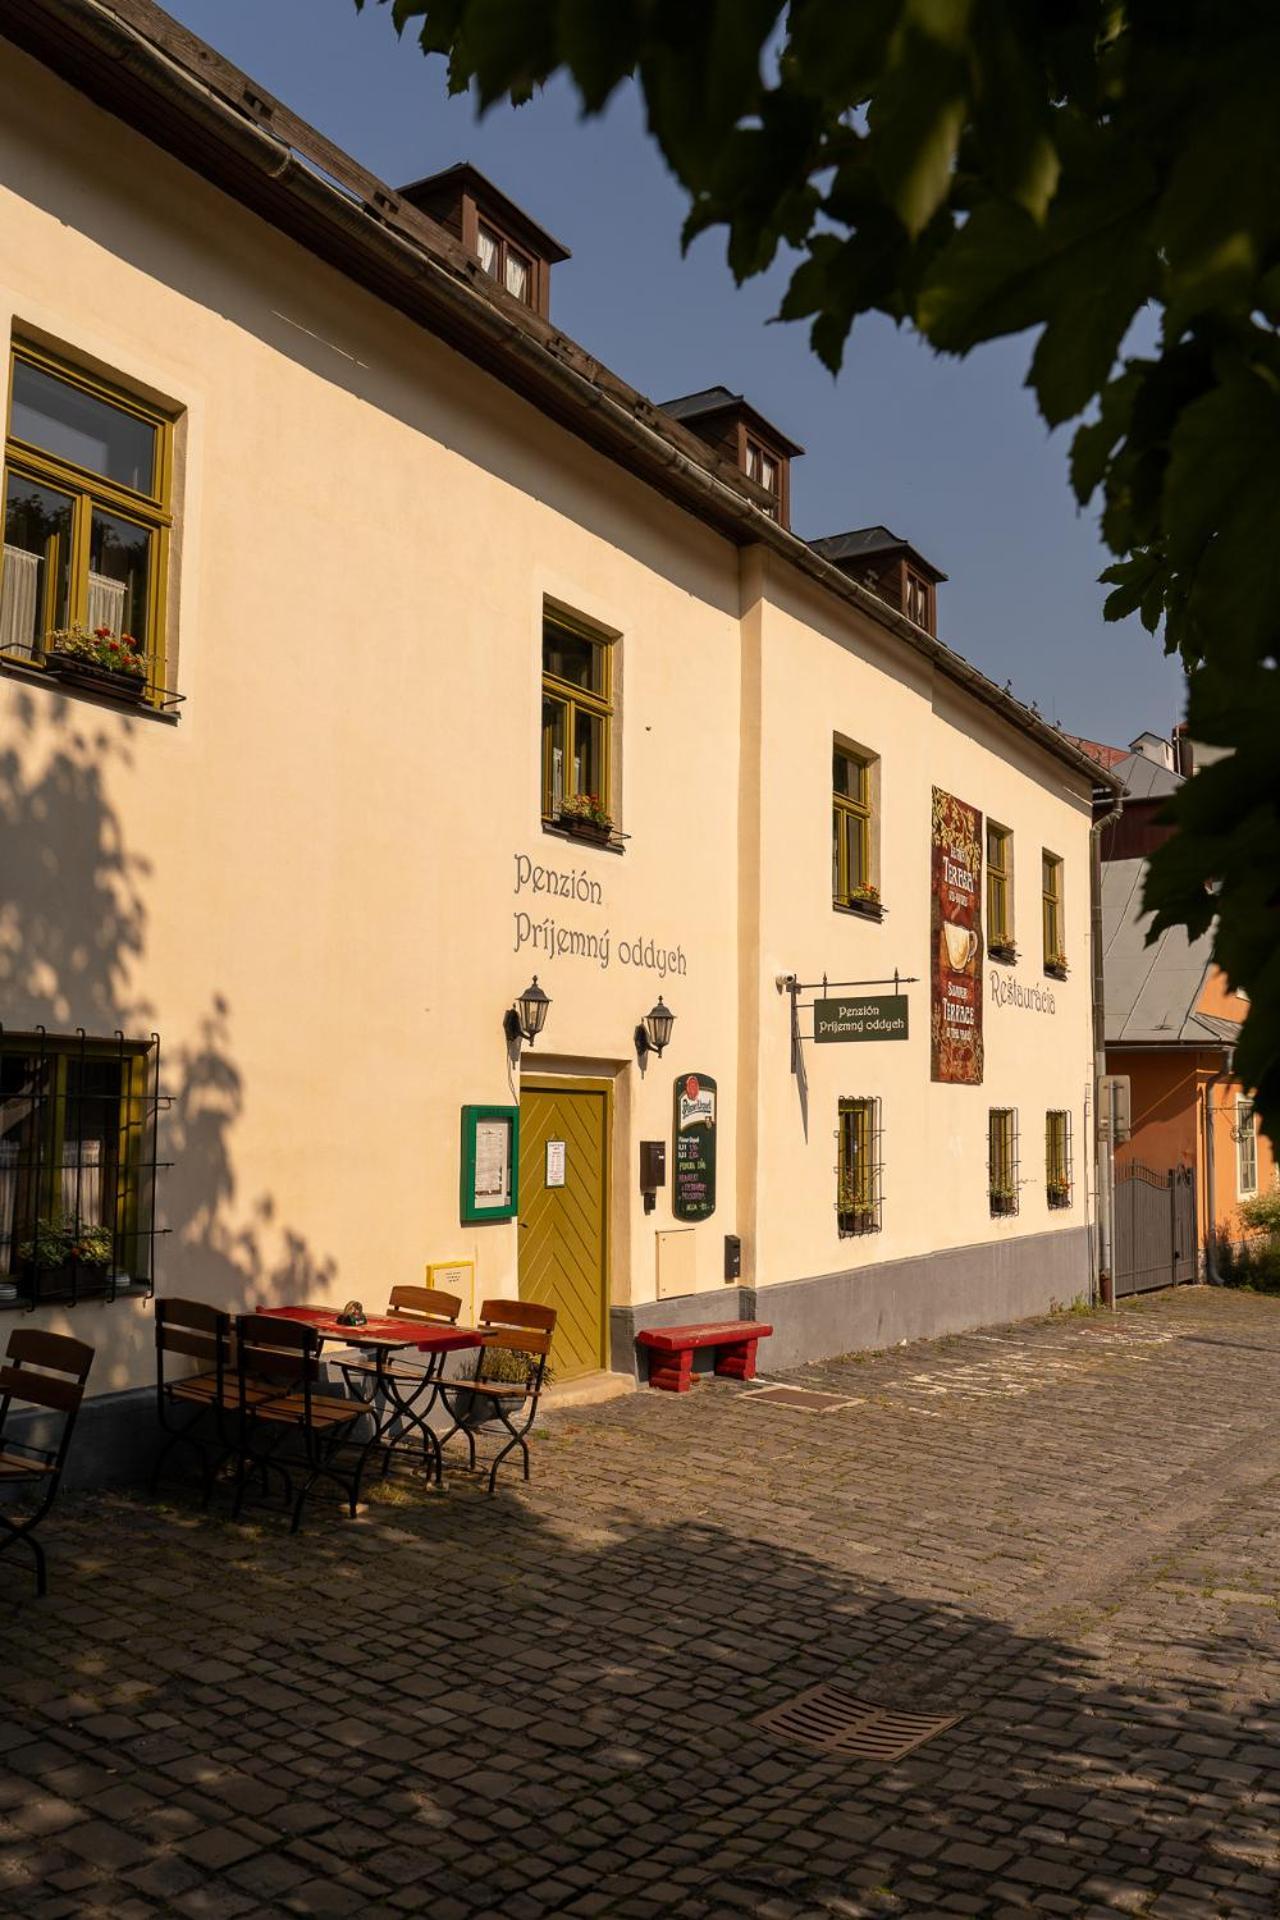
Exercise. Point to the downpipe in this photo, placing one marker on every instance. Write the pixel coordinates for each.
(1103, 1146)
(1224, 1074)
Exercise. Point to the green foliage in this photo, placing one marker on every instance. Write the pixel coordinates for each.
(1261, 1214)
(57, 1241)
(979, 168)
(1255, 1265)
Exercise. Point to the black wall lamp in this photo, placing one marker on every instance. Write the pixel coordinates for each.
(527, 1018)
(654, 1031)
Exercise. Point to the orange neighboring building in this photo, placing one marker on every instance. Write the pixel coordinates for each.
(1172, 1022)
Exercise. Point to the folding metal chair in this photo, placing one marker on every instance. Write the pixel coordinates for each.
(197, 1412)
(515, 1327)
(46, 1370)
(373, 1380)
(286, 1427)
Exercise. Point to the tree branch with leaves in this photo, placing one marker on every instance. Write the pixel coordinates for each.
(982, 168)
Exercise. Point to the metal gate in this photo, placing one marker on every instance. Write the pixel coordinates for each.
(1155, 1228)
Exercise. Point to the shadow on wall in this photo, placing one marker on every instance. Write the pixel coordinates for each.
(73, 940)
(635, 1658)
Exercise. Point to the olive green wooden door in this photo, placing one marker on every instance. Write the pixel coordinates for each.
(563, 1234)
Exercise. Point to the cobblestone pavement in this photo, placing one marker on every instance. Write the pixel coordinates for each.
(1064, 1532)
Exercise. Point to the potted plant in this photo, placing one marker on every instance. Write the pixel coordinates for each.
(587, 816)
(1059, 1193)
(63, 1254)
(98, 659)
(1004, 1200)
(1003, 950)
(865, 899)
(1056, 964)
(854, 1213)
(505, 1365)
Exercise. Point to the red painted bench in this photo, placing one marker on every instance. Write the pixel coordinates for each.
(671, 1351)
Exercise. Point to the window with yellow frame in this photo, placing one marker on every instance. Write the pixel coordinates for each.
(858, 1204)
(577, 724)
(853, 882)
(1000, 892)
(77, 1146)
(1057, 1157)
(1055, 949)
(87, 515)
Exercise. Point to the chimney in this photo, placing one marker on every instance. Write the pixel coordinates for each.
(1184, 750)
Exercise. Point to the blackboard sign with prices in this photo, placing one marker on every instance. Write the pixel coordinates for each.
(693, 1183)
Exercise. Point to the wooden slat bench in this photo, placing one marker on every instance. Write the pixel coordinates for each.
(671, 1350)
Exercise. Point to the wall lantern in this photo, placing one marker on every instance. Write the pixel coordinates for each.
(527, 1018)
(653, 1035)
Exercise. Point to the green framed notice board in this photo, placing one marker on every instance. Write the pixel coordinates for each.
(490, 1164)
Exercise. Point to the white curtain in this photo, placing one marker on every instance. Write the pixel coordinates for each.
(106, 602)
(8, 1200)
(19, 599)
(82, 1161)
(487, 248)
(517, 276)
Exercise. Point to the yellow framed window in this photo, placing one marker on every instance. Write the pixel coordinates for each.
(1000, 891)
(1057, 1157)
(87, 513)
(852, 823)
(858, 1194)
(1002, 1159)
(1055, 947)
(577, 725)
(77, 1166)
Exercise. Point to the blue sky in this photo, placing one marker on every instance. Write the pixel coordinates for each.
(951, 455)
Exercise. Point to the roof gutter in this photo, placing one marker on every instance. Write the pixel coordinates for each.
(142, 62)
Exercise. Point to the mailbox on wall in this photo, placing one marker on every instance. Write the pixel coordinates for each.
(732, 1257)
(653, 1171)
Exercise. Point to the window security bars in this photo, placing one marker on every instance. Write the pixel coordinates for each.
(78, 1167)
(1057, 1157)
(859, 1186)
(1002, 1159)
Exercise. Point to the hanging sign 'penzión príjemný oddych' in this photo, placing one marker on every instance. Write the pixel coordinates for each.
(868, 1017)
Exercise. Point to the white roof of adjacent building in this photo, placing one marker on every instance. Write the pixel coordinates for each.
(1151, 991)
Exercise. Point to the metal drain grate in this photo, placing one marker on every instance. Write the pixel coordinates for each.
(803, 1399)
(833, 1721)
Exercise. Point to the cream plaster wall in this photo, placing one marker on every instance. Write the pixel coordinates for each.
(310, 886)
(823, 672)
(324, 849)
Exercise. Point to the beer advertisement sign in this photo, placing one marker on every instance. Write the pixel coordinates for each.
(693, 1195)
(956, 941)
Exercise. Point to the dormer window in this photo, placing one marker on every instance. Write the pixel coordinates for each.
(510, 247)
(508, 266)
(731, 426)
(763, 469)
(918, 597)
(891, 567)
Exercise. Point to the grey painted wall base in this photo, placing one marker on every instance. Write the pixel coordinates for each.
(949, 1292)
(114, 1444)
(685, 1310)
(878, 1305)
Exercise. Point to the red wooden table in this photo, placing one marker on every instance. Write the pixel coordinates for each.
(384, 1335)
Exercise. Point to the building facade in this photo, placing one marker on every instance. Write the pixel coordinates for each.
(460, 663)
(1172, 1021)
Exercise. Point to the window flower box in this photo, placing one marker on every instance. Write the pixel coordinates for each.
(1056, 966)
(1059, 1194)
(856, 1220)
(1003, 950)
(587, 818)
(866, 901)
(65, 1258)
(1004, 1200)
(100, 661)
